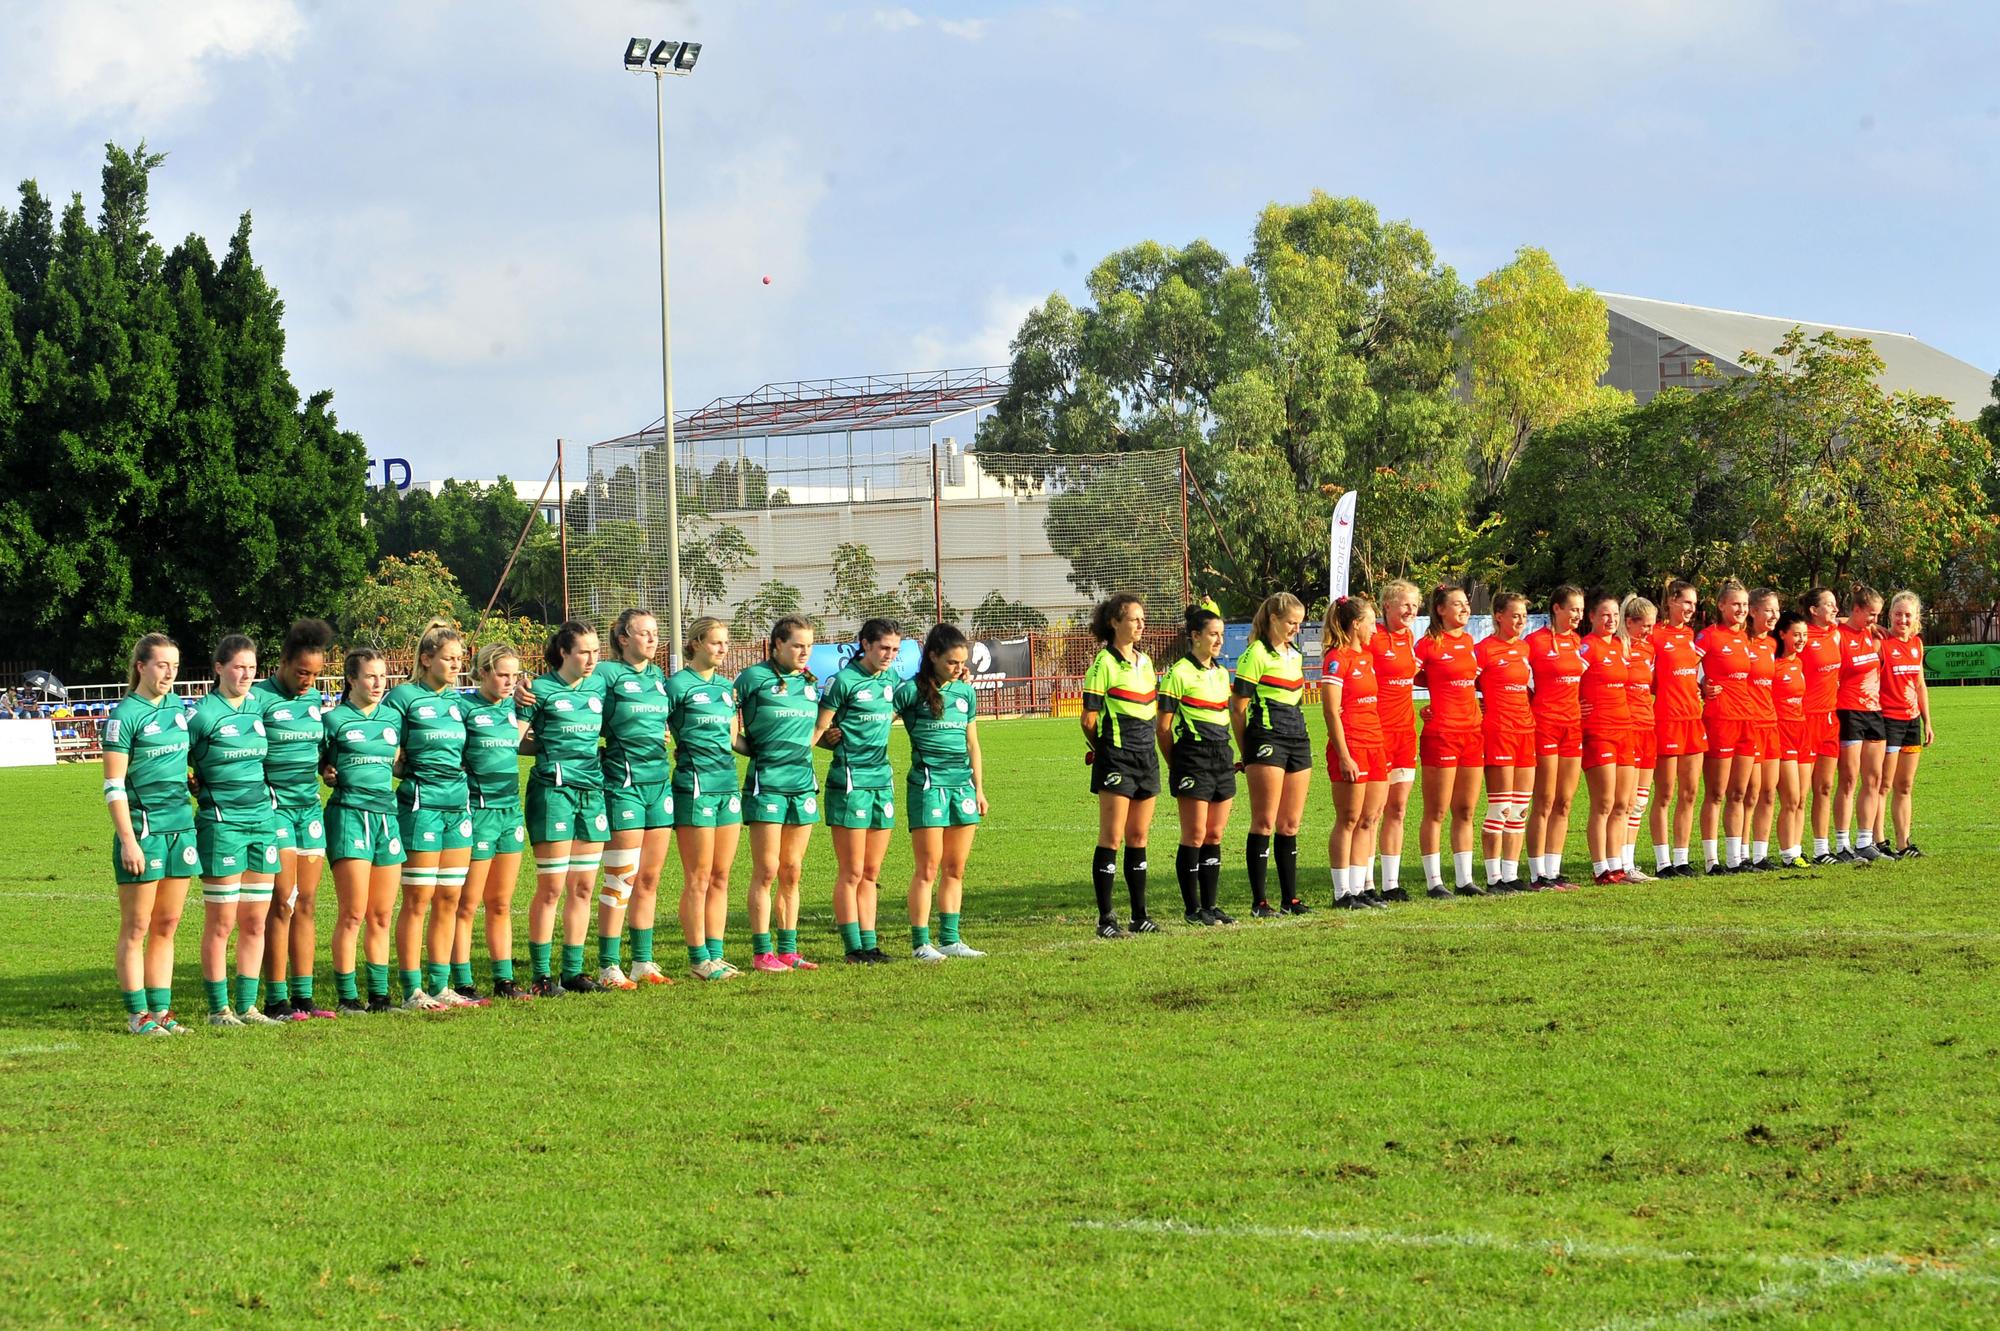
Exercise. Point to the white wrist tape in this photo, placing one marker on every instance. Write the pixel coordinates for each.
(114, 789)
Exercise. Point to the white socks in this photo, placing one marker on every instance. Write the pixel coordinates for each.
(1819, 847)
(1708, 852)
(1392, 872)
(1732, 847)
(1493, 871)
(1681, 855)
(1461, 867)
(1759, 850)
(1433, 875)
(1863, 839)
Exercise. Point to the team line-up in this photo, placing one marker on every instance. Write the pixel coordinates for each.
(426, 824)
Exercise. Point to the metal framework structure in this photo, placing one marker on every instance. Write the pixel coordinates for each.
(835, 406)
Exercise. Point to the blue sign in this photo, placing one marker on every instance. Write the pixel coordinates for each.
(391, 467)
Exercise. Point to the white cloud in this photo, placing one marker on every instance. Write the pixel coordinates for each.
(965, 29)
(1258, 39)
(938, 348)
(134, 58)
(896, 20)
(903, 19)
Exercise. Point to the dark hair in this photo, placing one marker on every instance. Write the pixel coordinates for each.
(1598, 596)
(784, 631)
(623, 625)
(1563, 593)
(562, 640)
(1862, 593)
(871, 631)
(1108, 612)
(1439, 595)
(1676, 586)
(1811, 599)
(1785, 622)
(351, 668)
(232, 646)
(941, 639)
(306, 635)
(1195, 619)
(1502, 600)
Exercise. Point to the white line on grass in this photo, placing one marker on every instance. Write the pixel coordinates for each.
(19, 1050)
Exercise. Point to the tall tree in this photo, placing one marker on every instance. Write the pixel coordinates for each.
(469, 526)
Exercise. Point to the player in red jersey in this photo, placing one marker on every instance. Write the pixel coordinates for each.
(1677, 730)
(1558, 669)
(1355, 760)
(1795, 737)
(1731, 717)
(1762, 798)
(1819, 762)
(1505, 679)
(1394, 648)
(1607, 735)
(1906, 715)
(1863, 735)
(1452, 745)
(1638, 616)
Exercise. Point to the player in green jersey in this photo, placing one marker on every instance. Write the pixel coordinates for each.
(493, 773)
(357, 758)
(145, 789)
(857, 709)
(292, 706)
(433, 816)
(777, 703)
(1120, 710)
(638, 798)
(1273, 751)
(945, 794)
(564, 711)
(708, 802)
(1201, 767)
(233, 834)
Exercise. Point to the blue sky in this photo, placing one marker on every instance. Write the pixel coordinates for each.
(456, 200)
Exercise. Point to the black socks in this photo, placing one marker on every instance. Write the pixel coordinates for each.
(1187, 860)
(1103, 874)
(1285, 850)
(1209, 875)
(1135, 880)
(1257, 849)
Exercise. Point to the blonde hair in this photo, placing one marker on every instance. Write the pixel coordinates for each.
(436, 634)
(1275, 606)
(1398, 588)
(142, 652)
(1341, 617)
(1634, 607)
(492, 654)
(700, 629)
(1910, 598)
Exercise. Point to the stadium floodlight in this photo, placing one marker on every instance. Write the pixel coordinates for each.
(644, 56)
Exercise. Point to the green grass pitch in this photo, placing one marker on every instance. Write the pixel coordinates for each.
(1762, 1101)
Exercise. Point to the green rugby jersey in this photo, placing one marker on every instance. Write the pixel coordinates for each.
(1274, 681)
(702, 706)
(635, 724)
(153, 736)
(293, 731)
(492, 753)
(1198, 698)
(1127, 692)
(779, 712)
(362, 748)
(567, 720)
(226, 748)
(938, 752)
(863, 706)
(433, 724)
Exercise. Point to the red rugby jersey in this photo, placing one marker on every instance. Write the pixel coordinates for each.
(1902, 667)
(1450, 669)
(1360, 695)
(1821, 663)
(1676, 673)
(1504, 676)
(1639, 681)
(1395, 656)
(1860, 671)
(1558, 668)
(1725, 660)
(1789, 688)
(1602, 694)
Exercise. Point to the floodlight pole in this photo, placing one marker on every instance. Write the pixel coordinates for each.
(667, 391)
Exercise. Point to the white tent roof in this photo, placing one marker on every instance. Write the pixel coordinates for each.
(1726, 334)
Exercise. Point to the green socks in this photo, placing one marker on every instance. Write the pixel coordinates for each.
(608, 946)
(642, 946)
(948, 927)
(135, 1002)
(246, 992)
(437, 976)
(159, 1000)
(572, 959)
(503, 969)
(413, 982)
(538, 959)
(760, 945)
(378, 979)
(869, 941)
(697, 953)
(850, 937)
(345, 987)
(302, 988)
(218, 994)
(920, 936)
(278, 991)
(788, 942)
(461, 974)
(715, 949)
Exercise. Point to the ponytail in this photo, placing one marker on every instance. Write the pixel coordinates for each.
(142, 652)
(784, 631)
(1337, 633)
(562, 640)
(942, 639)
(1197, 618)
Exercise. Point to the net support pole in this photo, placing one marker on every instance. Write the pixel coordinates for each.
(937, 535)
(533, 512)
(563, 530)
(1187, 573)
